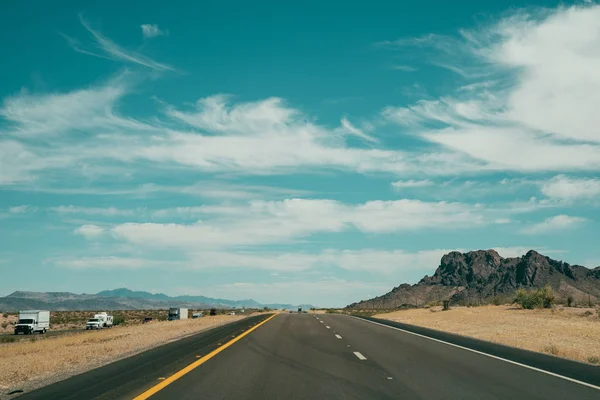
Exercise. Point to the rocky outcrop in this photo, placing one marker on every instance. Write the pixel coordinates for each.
(479, 276)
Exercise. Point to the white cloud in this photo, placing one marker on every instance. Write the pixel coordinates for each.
(22, 209)
(89, 231)
(111, 262)
(411, 183)
(405, 68)
(267, 137)
(535, 109)
(263, 222)
(554, 224)
(152, 30)
(109, 211)
(566, 188)
(112, 51)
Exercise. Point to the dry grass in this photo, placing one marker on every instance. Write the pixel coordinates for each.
(564, 332)
(37, 363)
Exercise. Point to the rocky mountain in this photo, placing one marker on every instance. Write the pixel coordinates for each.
(479, 276)
(119, 299)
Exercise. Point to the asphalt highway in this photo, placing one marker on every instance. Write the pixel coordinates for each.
(303, 356)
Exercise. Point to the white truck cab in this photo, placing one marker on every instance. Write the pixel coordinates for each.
(31, 321)
(94, 323)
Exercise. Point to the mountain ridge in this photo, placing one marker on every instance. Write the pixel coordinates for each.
(481, 275)
(121, 299)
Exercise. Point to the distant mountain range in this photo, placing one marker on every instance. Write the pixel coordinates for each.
(479, 276)
(123, 299)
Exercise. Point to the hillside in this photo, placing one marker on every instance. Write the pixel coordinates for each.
(119, 299)
(479, 276)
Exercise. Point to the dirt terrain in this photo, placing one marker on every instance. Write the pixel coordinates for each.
(39, 361)
(564, 332)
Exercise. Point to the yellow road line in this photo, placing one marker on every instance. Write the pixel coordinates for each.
(155, 389)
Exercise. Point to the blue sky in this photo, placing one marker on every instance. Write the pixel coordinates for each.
(319, 153)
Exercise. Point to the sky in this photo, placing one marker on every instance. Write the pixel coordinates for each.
(301, 152)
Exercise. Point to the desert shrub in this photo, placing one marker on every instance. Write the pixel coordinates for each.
(5, 315)
(4, 325)
(538, 298)
(7, 339)
(570, 301)
(118, 321)
(497, 301)
(587, 313)
(593, 360)
(552, 349)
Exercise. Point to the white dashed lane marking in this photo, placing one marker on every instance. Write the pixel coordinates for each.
(328, 327)
(338, 336)
(360, 356)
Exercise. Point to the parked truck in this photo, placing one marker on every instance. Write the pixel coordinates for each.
(177, 313)
(31, 321)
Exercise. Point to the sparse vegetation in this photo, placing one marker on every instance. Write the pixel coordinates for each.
(34, 362)
(5, 315)
(594, 360)
(538, 298)
(538, 330)
(570, 301)
(552, 349)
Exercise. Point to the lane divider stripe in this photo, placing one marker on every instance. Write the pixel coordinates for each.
(360, 356)
(157, 388)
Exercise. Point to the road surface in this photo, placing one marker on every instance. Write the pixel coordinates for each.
(304, 356)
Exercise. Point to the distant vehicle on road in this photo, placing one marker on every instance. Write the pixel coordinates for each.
(94, 323)
(213, 311)
(177, 314)
(107, 320)
(146, 320)
(31, 321)
(299, 310)
(197, 315)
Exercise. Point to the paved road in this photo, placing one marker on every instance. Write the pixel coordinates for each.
(297, 356)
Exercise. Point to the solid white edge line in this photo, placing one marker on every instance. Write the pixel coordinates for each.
(486, 354)
(338, 336)
(359, 356)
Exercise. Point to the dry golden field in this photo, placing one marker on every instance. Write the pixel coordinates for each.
(41, 361)
(564, 332)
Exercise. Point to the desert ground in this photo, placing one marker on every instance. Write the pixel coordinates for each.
(572, 333)
(39, 361)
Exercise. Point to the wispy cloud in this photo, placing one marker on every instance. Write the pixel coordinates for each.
(22, 209)
(152, 30)
(111, 50)
(405, 68)
(554, 224)
(411, 183)
(89, 231)
(570, 188)
(520, 110)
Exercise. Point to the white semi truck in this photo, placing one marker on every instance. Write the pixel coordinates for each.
(31, 321)
(177, 313)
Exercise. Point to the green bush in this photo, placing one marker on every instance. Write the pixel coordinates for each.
(118, 321)
(5, 315)
(7, 339)
(538, 298)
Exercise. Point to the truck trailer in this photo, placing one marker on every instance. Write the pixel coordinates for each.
(177, 314)
(31, 321)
